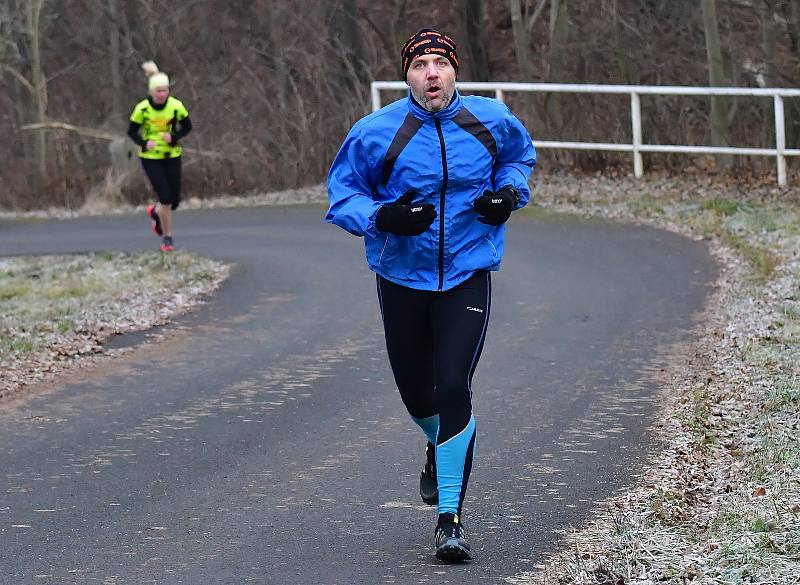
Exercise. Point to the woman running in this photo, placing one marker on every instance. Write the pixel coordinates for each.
(157, 125)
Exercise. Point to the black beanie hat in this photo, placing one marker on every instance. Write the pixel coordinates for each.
(429, 41)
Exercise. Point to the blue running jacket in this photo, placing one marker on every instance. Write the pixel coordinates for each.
(450, 158)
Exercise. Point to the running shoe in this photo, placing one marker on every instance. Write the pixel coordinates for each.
(167, 244)
(450, 539)
(152, 214)
(428, 486)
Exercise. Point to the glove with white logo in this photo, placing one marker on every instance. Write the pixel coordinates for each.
(495, 207)
(405, 218)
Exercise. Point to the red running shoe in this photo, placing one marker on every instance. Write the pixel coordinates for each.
(167, 245)
(152, 214)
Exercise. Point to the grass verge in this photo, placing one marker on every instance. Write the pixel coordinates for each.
(55, 309)
(721, 503)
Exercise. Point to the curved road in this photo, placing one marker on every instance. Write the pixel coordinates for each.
(260, 439)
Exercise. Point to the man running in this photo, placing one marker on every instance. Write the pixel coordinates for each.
(429, 182)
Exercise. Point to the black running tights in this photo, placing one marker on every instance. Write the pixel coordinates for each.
(434, 340)
(165, 177)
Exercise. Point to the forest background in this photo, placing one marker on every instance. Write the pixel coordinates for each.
(274, 85)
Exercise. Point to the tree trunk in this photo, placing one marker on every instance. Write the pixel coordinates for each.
(793, 107)
(475, 44)
(521, 42)
(114, 56)
(794, 32)
(623, 57)
(768, 43)
(39, 84)
(716, 78)
(389, 32)
(768, 80)
(280, 60)
(345, 34)
(559, 37)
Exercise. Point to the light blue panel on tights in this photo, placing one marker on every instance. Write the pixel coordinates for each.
(430, 426)
(450, 458)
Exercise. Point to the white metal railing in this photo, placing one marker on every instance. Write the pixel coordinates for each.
(780, 152)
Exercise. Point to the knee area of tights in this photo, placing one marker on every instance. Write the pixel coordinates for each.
(452, 389)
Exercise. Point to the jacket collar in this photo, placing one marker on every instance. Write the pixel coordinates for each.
(421, 113)
(156, 106)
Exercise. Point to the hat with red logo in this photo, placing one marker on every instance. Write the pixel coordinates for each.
(429, 42)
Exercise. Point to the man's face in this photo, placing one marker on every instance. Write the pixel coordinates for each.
(432, 80)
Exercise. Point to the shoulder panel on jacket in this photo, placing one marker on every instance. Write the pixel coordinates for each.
(411, 124)
(469, 123)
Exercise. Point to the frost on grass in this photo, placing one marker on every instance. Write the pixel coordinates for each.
(311, 195)
(721, 503)
(56, 309)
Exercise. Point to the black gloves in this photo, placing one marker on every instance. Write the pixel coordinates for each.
(495, 207)
(404, 218)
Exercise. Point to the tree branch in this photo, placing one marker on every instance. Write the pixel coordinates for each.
(535, 16)
(91, 132)
(19, 77)
(100, 134)
(630, 27)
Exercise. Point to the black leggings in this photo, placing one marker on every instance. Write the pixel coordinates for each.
(434, 340)
(165, 177)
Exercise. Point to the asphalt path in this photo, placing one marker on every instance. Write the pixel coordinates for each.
(260, 439)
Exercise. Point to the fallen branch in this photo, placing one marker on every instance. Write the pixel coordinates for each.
(102, 135)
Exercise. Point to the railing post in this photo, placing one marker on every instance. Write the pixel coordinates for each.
(636, 123)
(498, 95)
(780, 140)
(376, 98)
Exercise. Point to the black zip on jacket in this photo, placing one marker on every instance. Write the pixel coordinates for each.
(441, 202)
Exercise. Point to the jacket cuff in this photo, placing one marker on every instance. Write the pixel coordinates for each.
(372, 227)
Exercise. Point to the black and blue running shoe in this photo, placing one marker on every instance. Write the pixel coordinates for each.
(451, 540)
(428, 485)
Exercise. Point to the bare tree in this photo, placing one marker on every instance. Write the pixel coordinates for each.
(720, 135)
(32, 79)
(114, 58)
(390, 30)
(475, 39)
(346, 38)
(765, 75)
(559, 37)
(533, 17)
(792, 15)
(33, 14)
(521, 41)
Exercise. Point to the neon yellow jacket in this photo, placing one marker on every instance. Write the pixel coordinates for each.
(155, 122)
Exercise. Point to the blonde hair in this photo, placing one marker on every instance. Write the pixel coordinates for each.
(155, 77)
